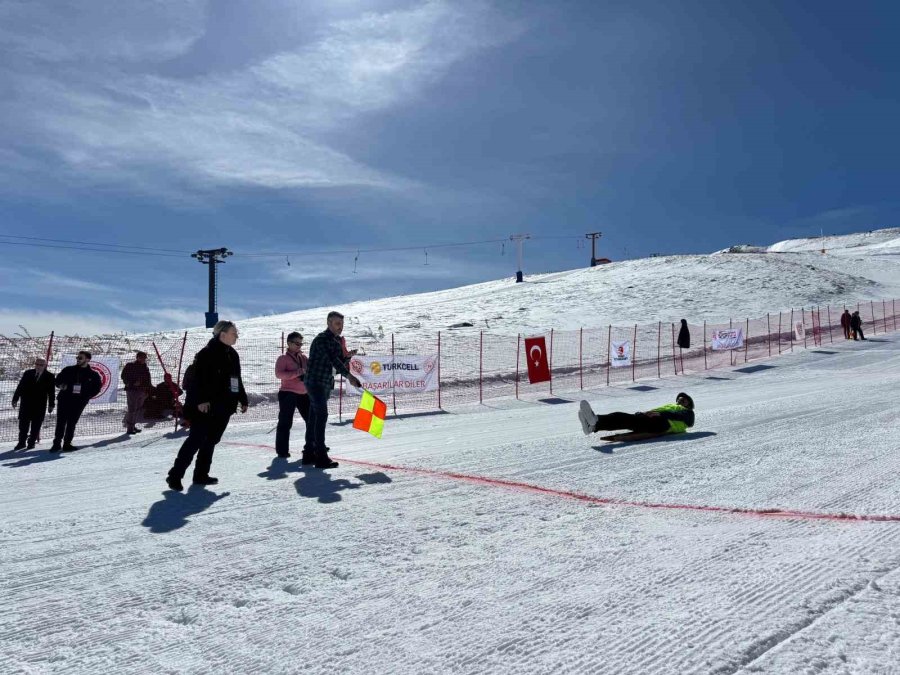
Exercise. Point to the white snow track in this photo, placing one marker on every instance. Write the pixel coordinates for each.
(369, 569)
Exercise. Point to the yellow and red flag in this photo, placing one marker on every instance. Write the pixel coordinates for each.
(370, 414)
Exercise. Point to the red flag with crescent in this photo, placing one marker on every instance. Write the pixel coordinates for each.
(538, 363)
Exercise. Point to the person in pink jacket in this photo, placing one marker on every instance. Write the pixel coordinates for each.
(290, 368)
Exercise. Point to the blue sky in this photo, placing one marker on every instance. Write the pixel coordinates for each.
(303, 127)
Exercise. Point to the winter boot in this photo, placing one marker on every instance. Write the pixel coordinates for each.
(174, 483)
(323, 461)
(208, 480)
(20, 445)
(587, 418)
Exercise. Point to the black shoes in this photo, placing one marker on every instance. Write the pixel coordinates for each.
(55, 447)
(323, 461)
(308, 457)
(132, 432)
(70, 448)
(284, 454)
(31, 445)
(20, 445)
(209, 480)
(174, 484)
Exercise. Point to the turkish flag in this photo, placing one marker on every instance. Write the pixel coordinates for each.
(536, 355)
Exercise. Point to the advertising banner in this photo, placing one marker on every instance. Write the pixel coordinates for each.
(727, 338)
(398, 374)
(620, 354)
(107, 367)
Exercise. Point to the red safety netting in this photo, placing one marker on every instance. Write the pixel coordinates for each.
(473, 367)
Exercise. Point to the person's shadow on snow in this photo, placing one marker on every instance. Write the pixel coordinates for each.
(609, 446)
(279, 468)
(31, 457)
(318, 485)
(173, 510)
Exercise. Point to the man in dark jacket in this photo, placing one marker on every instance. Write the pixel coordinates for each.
(136, 376)
(325, 358)
(77, 385)
(215, 393)
(35, 390)
(845, 323)
(666, 419)
(856, 326)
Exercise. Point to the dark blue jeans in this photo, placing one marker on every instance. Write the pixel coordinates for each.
(318, 415)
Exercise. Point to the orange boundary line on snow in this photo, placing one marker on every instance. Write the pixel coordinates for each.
(607, 501)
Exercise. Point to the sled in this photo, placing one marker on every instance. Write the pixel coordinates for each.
(633, 436)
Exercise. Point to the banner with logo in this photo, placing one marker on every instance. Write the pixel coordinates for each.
(799, 330)
(620, 354)
(397, 374)
(727, 338)
(536, 358)
(107, 367)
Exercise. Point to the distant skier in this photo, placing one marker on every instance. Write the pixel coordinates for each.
(672, 418)
(856, 326)
(845, 323)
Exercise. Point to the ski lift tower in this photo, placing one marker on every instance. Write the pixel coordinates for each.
(520, 244)
(212, 257)
(593, 236)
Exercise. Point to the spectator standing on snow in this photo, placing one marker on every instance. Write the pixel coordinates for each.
(672, 418)
(215, 393)
(326, 357)
(290, 368)
(77, 385)
(35, 390)
(845, 323)
(136, 376)
(684, 335)
(856, 326)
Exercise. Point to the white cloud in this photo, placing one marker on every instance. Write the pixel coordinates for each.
(262, 125)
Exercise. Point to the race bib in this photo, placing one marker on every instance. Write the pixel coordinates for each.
(76, 388)
(235, 385)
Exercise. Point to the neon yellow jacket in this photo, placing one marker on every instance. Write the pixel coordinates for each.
(678, 417)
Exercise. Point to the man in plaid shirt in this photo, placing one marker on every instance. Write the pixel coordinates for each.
(326, 357)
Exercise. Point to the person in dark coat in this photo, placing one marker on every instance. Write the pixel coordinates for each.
(326, 357)
(35, 390)
(845, 323)
(77, 385)
(136, 376)
(856, 326)
(215, 393)
(684, 335)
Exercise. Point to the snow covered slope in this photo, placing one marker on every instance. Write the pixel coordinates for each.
(396, 563)
(713, 287)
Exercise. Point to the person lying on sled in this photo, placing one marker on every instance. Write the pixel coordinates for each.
(672, 418)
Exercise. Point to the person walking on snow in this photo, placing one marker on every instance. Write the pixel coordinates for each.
(290, 368)
(845, 323)
(35, 389)
(672, 418)
(215, 394)
(326, 357)
(856, 326)
(77, 385)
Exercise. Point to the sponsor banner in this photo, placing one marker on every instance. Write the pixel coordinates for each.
(536, 357)
(397, 374)
(107, 367)
(620, 354)
(799, 330)
(727, 338)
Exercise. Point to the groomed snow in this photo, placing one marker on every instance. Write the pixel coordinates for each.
(365, 569)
